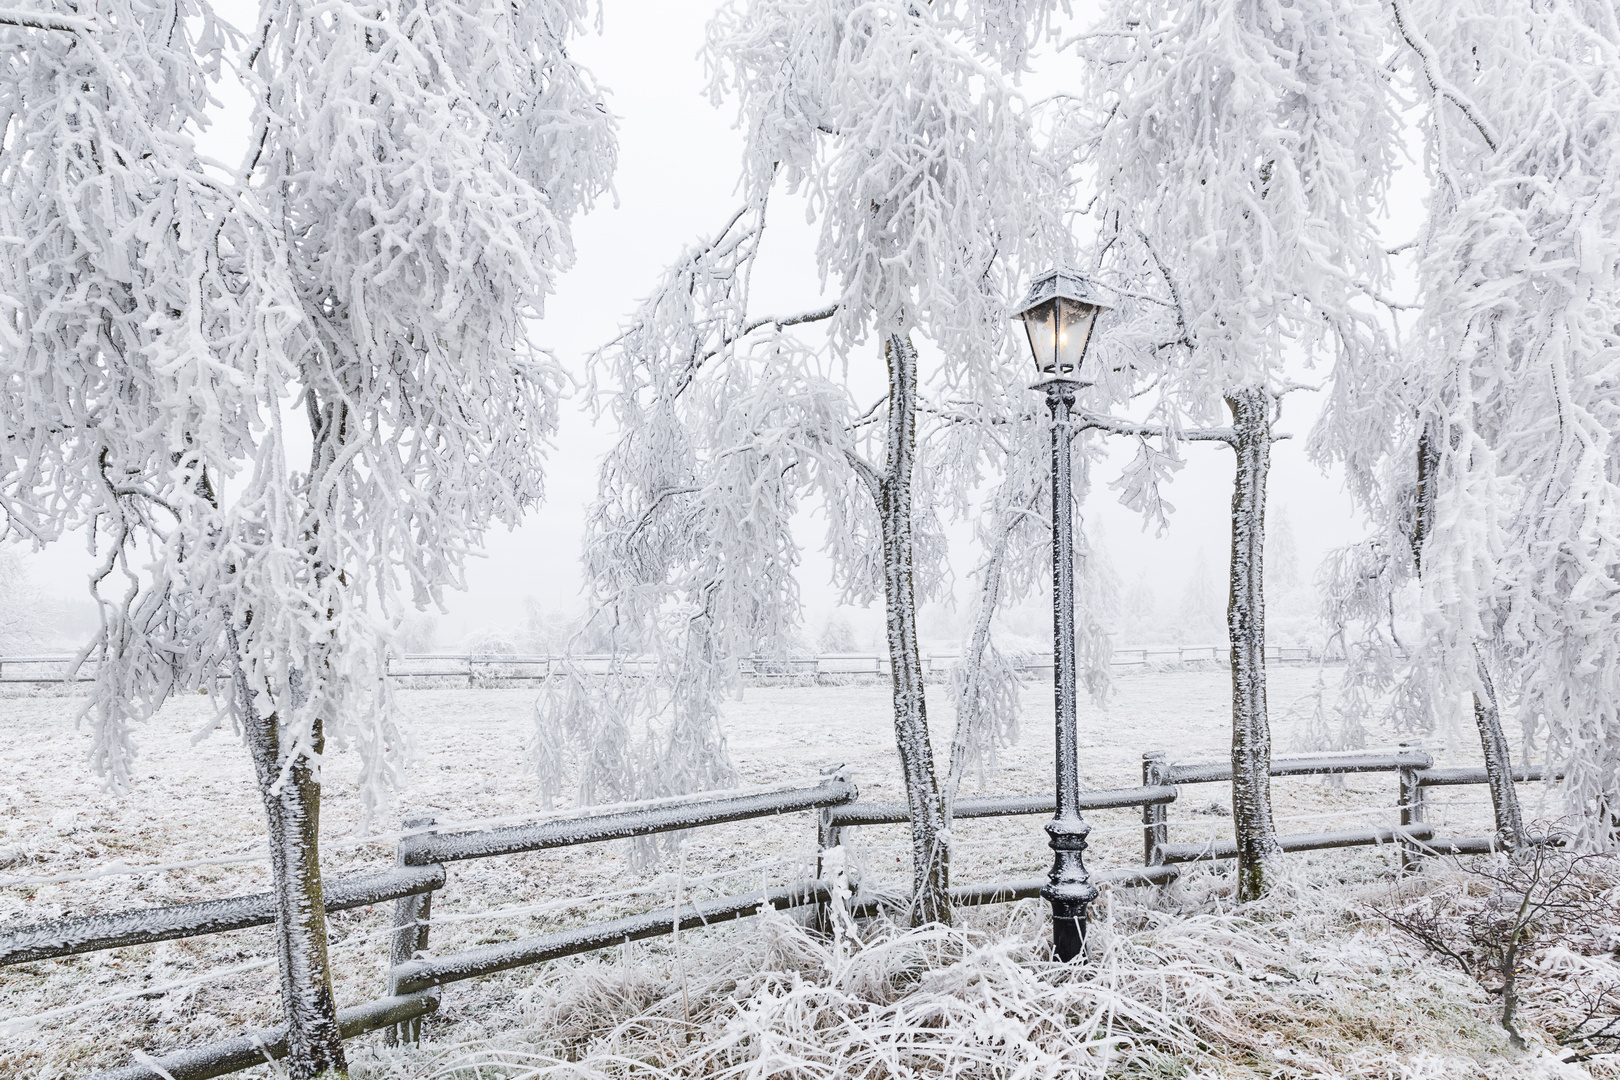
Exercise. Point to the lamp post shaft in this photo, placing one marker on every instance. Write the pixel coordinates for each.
(1068, 889)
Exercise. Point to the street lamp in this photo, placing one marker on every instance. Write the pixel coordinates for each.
(1059, 314)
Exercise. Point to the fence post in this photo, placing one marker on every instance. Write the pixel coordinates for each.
(829, 836)
(1411, 795)
(410, 936)
(1155, 817)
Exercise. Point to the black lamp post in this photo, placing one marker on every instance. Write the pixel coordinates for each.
(1058, 315)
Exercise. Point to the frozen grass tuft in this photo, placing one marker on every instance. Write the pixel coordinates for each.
(1178, 985)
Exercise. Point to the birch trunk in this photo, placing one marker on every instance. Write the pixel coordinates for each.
(1246, 626)
(1487, 717)
(1498, 764)
(292, 812)
(930, 843)
(978, 645)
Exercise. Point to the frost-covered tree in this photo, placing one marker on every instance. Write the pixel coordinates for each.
(1239, 148)
(1487, 452)
(897, 123)
(423, 163)
(1292, 615)
(416, 634)
(1140, 608)
(24, 610)
(1014, 534)
(1282, 551)
(1199, 610)
(837, 636)
(404, 209)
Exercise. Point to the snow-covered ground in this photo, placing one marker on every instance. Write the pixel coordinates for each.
(194, 803)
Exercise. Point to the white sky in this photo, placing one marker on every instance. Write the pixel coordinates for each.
(678, 163)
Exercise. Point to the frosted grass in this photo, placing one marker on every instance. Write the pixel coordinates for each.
(195, 801)
(1298, 986)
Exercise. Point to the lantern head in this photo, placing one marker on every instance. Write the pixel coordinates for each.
(1059, 314)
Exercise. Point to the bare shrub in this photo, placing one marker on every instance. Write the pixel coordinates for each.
(1537, 930)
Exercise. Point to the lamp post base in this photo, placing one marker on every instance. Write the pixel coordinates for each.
(1068, 887)
(1069, 929)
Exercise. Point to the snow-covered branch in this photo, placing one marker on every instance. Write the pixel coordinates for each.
(1432, 72)
(46, 20)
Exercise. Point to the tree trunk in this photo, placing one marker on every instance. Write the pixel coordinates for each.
(1246, 626)
(1425, 494)
(1487, 717)
(978, 646)
(292, 811)
(930, 839)
(1498, 764)
(1510, 985)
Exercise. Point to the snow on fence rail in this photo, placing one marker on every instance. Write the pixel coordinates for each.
(40, 669)
(492, 668)
(414, 978)
(92, 933)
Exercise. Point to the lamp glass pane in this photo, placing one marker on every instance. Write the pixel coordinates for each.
(1074, 332)
(1040, 323)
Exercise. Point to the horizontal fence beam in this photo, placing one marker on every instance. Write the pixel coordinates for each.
(1475, 775)
(895, 813)
(455, 847)
(1307, 765)
(485, 666)
(1137, 877)
(1005, 892)
(142, 926)
(246, 1051)
(420, 974)
(414, 975)
(1227, 849)
(1480, 845)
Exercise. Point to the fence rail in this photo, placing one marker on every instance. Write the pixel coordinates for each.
(494, 668)
(483, 843)
(1318, 841)
(422, 854)
(1307, 765)
(894, 813)
(144, 926)
(58, 672)
(246, 1051)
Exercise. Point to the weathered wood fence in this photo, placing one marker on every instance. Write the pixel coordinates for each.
(488, 669)
(415, 976)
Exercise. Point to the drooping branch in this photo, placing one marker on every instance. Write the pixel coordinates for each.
(779, 321)
(868, 474)
(1115, 426)
(1177, 304)
(1441, 86)
(46, 21)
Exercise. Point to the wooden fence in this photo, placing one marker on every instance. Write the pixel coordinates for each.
(415, 976)
(490, 669)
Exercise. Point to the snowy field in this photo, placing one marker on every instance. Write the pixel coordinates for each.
(195, 803)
